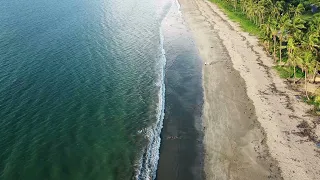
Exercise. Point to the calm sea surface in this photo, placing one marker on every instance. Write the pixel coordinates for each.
(81, 89)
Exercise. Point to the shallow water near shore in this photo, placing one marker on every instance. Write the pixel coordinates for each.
(181, 149)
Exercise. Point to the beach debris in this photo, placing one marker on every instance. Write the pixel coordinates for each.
(172, 137)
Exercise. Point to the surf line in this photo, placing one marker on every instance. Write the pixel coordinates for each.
(178, 7)
(148, 162)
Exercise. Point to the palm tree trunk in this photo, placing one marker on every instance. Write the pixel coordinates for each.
(280, 51)
(260, 19)
(315, 72)
(274, 47)
(306, 82)
(294, 74)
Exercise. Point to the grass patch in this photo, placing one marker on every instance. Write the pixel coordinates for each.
(315, 101)
(311, 100)
(239, 17)
(287, 72)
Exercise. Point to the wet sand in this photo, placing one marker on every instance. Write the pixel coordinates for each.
(181, 150)
(249, 115)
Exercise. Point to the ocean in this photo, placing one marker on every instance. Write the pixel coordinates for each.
(83, 89)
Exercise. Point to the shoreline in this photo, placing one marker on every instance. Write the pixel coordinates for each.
(250, 116)
(181, 139)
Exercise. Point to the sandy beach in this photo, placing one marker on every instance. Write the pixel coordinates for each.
(252, 121)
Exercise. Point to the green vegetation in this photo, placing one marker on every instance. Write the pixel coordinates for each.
(289, 30)
(238, 16)
(315, 101)
(287, 72)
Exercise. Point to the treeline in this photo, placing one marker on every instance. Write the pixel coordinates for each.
(290, 32)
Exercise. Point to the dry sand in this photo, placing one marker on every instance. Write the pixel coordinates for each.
(250, 116)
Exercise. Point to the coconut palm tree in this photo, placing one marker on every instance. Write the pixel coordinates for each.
(314, 42)
(299, 10)
(291, 56)
(315, 2)
(235, 2)
(276, 9)
(266, 33)
(283, 25)
(274, 32)
(289, 29)
(305, 60)
(250, 10)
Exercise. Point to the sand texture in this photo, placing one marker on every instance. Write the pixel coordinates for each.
(250, 117)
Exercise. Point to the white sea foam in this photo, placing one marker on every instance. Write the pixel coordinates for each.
(147, 165)
(178, 7)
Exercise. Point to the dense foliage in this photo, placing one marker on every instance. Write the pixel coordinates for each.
(290, 31)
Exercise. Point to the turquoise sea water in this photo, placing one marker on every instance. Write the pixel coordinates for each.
(85, 86)
(81, 89)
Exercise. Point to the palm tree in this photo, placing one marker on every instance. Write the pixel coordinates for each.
(287, 27)
(315, 2)
(296, 24)
(314, 42)
(291, 58)
(315, 71)
(274, 32)
(298, 10)
(311, 42)
(266, 31)
(283, 26)
(305, 60)
(235, 2)
(250, 10)
(276, 9)
(243, 4)
(260, 12)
